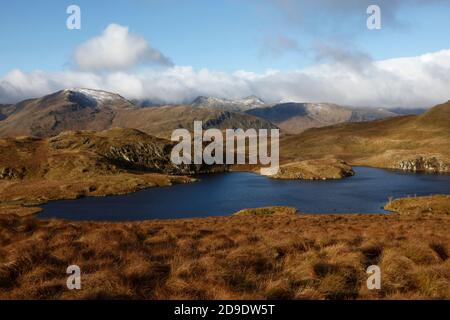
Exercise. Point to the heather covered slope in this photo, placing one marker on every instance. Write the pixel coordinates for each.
(414, 143)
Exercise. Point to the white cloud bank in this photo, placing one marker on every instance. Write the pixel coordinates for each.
(344, 78)
(116, 49)
(408, 82)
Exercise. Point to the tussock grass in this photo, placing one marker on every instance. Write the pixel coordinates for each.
(238, 257)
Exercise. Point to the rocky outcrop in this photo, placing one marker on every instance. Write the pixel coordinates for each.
(143, 156)
(154, 157)
(12, 173)
(129, 149)
(422, 164)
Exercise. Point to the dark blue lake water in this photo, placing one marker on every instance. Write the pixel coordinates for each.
(223, 194)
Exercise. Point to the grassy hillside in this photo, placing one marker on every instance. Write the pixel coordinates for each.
(383, 143)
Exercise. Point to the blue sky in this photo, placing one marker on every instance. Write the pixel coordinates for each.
(279, 48)
(225, 35)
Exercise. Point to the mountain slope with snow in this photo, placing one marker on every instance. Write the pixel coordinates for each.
(244, 104)
(70, 109)
(87, 109)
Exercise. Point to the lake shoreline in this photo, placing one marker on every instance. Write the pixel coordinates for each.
(26, 207)
(255, 191)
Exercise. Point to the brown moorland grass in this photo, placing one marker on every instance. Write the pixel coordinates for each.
(276, 210)
(237, 257)
(436, 204)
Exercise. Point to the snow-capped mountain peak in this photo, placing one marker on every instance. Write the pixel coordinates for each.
(99, 96)
(210, 101)
(96, 98)
(239, 104)
(252, 101)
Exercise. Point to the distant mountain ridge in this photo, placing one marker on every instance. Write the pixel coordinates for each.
(88, 109)
(297, 117)
(408, 111)
(244, 104)
(294, 117)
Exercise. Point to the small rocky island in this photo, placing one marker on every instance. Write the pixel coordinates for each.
(317, 169)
